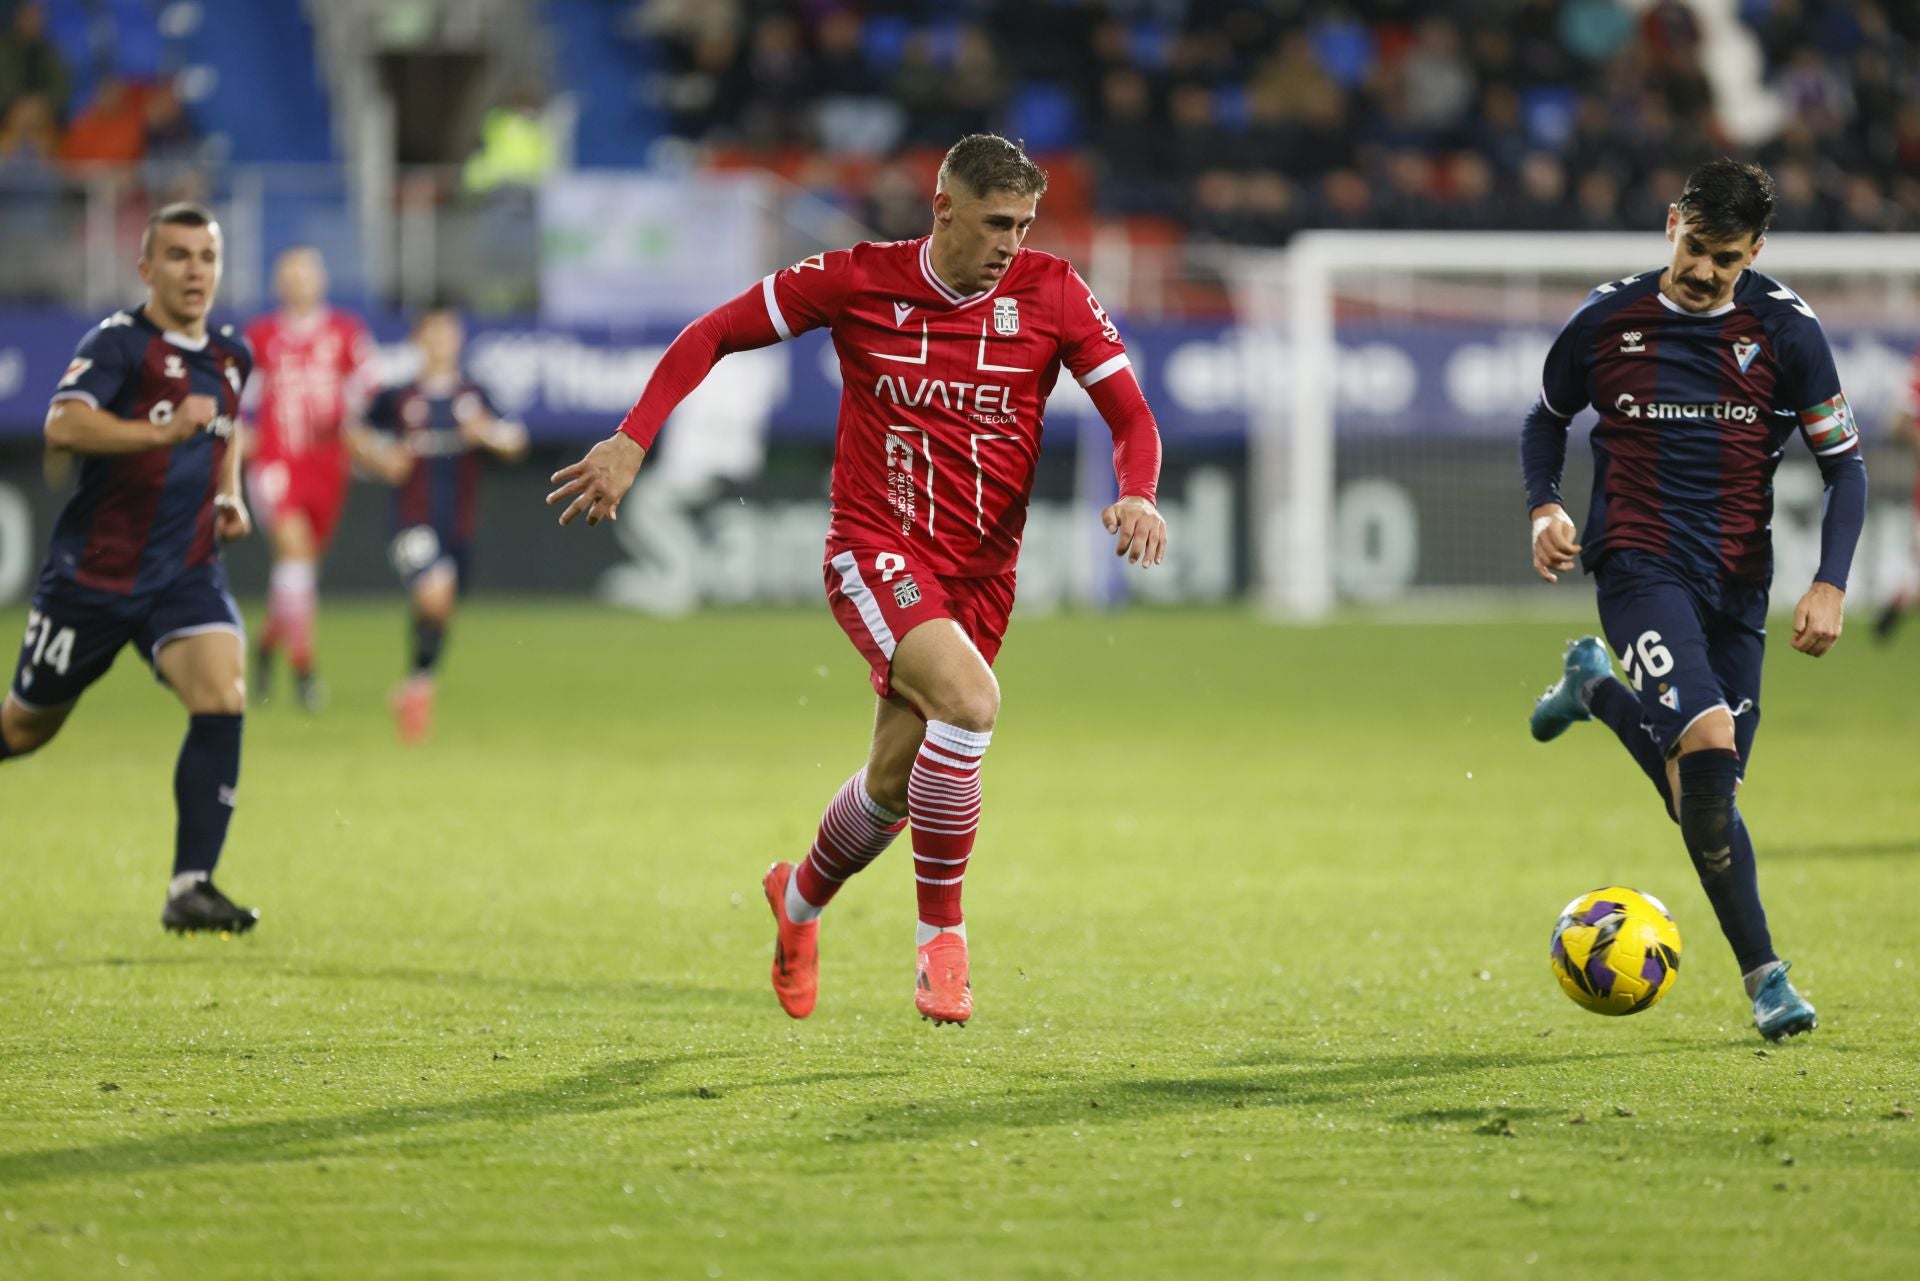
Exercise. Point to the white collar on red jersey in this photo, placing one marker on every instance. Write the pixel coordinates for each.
(945, 290)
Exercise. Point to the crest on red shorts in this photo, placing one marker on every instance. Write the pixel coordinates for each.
(906, 592)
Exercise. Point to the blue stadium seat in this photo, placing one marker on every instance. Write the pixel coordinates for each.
(1150, 44)
(1044, 116)
(605, 70)
(267, 98)
(139, 50)
(883, 41)
(1548, 111)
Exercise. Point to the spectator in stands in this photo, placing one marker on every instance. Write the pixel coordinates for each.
(1596, 199)
(1440, 87)
(111, 129)
(30, 201)
(782, 78)
(172, 142)
(515, 154)
(1131, 146)
(29, 139)
(1223, 112)
(31, 64)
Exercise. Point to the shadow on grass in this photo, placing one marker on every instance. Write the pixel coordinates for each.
(608, 1087)
(1270, 1083)
(615, 1086)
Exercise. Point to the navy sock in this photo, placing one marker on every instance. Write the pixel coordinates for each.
(428, 639)
(1619, 707)
(1722, 853)
(203, 791)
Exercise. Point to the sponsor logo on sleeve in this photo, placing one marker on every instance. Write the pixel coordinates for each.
(1108, 329)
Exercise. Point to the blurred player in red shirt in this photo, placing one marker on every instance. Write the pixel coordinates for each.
(1906, 428)
(315, 367)
(948, 347)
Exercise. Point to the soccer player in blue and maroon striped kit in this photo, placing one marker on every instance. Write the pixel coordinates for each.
(1701, 373)
(149, 405)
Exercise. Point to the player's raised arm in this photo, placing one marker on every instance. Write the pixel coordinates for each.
(783, 305)
(100, 369)
(81, 428)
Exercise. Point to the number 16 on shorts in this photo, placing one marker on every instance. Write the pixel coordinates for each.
(1646, 657)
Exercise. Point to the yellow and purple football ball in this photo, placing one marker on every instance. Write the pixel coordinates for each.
(1615, 950)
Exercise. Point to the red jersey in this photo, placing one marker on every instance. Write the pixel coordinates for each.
(310, 374)
(943, 394)
(942, 398)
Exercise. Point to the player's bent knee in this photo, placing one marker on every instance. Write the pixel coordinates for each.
(974, 708)
(1712, 732)
(24, 731)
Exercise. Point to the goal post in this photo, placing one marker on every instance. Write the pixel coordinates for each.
(1389, 373)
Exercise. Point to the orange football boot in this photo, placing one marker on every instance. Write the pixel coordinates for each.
(412, 704)
(940, 988)
(796, 948)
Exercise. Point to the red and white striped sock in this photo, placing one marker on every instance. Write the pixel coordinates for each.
(292, 592)
(943, 804)
(854, 831)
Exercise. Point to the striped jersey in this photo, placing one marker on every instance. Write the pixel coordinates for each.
(1695, 411)
(442, 491)
(137, 520)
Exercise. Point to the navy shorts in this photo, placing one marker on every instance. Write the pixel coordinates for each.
(74, 633)
(421, 550)
(1687, 647)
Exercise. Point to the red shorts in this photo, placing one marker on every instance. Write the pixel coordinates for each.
(315, 487)
(878, 597)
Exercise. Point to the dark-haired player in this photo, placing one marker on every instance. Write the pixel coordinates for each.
(948, 348)
(436, 427)
(149, 405)
(1700, 372)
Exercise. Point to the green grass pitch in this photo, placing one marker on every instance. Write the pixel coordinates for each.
(1260, 922)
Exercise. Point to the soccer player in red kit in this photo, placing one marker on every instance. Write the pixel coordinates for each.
(948, 348)
(315, 366)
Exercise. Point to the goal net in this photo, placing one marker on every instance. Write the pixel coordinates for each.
(1389, 374)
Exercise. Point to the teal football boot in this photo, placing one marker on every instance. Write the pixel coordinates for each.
(1562, 704)
(1778, 1010)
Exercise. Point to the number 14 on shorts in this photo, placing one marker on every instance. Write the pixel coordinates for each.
(46, 644)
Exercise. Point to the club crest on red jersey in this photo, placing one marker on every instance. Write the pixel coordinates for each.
(1744, 350)
(1006, 316)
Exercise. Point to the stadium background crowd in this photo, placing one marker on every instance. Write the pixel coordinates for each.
(1227, 120)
